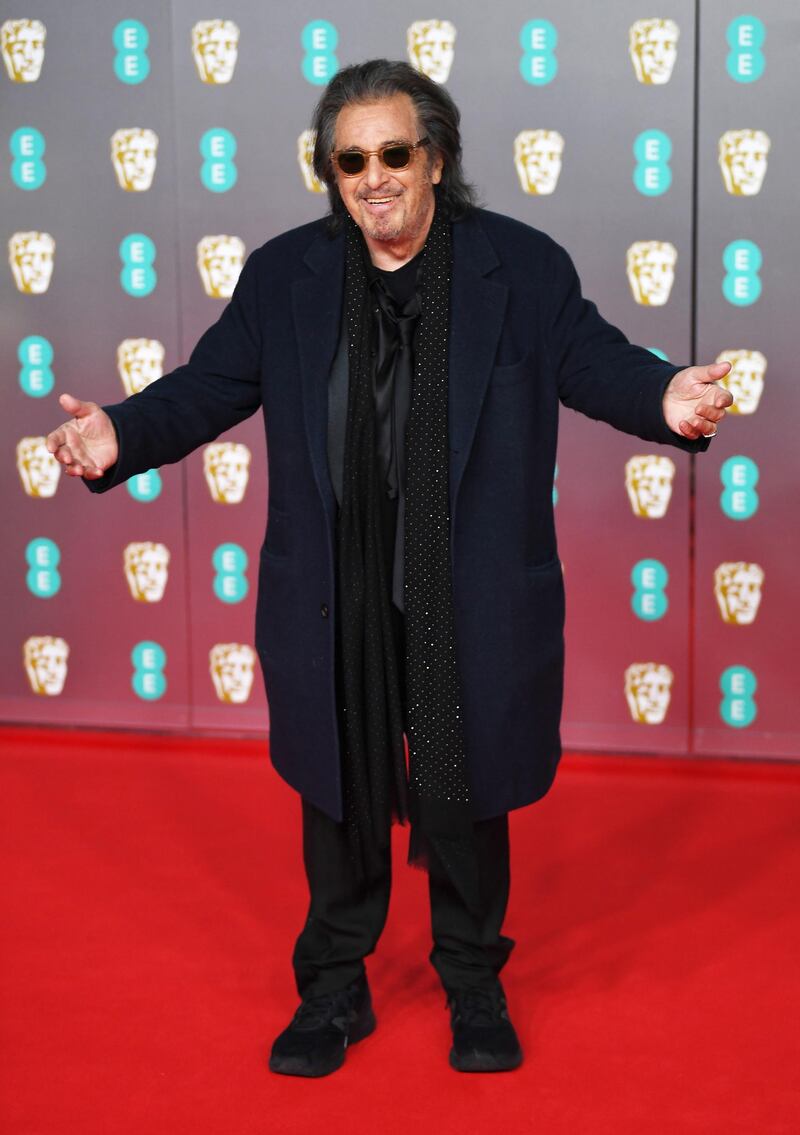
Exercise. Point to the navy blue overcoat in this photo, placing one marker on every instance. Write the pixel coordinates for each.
(522, 339)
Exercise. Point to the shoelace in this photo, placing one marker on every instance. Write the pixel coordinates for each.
(479, 1006)
(323, 1009)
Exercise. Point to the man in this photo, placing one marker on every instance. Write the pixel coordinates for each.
(409, 353)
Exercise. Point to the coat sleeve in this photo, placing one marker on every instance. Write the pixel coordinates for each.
(218, 388)
(599, 372)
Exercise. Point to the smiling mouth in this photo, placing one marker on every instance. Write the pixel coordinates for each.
(380, 200)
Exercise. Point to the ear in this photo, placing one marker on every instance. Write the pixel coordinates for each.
(436, 168)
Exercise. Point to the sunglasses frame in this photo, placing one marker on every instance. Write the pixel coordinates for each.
(367, 154)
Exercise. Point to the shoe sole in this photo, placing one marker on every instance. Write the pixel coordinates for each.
(298, 1066)
(483, 1062)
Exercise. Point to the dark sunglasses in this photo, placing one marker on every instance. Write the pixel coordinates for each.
(397, 155)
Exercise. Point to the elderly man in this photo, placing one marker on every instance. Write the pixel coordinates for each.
(409, 353)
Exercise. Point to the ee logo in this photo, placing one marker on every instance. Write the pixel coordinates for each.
(745, 36)
(739, 499)
(137, 253)
(737, 708)
(145, 487)
(319, 40)
(35, 354)
(555, 486)
(27, 145)
(649, 600)
(658, 353)
(538, 64)
(148, 679)
(652, 175)
(218, 171)
(130, 38)
(230, 564)
(42, 557)
(742, 261)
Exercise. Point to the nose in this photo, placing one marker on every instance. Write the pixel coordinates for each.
(375, 173)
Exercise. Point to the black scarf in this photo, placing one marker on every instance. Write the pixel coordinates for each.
(435, 795)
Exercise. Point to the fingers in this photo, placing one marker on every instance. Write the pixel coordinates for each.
(75, 407)
(696, 427)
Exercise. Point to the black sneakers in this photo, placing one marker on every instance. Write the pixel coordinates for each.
(484, 1039)
(314, 1044)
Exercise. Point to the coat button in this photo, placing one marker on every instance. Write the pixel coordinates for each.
(324, 610)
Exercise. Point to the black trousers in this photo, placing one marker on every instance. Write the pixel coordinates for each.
(345, 917)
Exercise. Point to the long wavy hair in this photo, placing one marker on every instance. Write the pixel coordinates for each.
(437, 115)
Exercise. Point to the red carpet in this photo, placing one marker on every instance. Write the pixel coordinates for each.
(152, 891)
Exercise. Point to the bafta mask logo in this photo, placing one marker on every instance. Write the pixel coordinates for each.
(133, 156)
(215, 47)
(745, 379)
(431, 48)
(743, 161)
(46, 664)
(653, 47)
(648, 686)
(305, 158)
(219, 262)
(737, 587)
(38, 469)
(22, 44)
(231, 665)
(147, 571)
(139, 362)
(648, 479)
(650, 265)
(537, 156)
(226, 465)
(31, 258)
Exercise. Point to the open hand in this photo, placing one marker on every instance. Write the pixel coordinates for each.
(693, 403)
(86, 445)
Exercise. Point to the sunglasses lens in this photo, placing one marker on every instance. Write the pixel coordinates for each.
(351, 161)
(396, 157)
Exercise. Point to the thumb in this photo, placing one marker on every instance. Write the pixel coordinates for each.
(75, 407)
(713, 372)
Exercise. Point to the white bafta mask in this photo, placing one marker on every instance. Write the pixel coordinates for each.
(133, 156)
(648, 479)
(653, 47)
(37, 467)
(737, 587)
(743, 161)
(537, 156)
(139, 362)
(305, 157)
(45, 660)
(215, 47)
(226, 465)
(219, 262)
(31, 258)
(22, 43)
(431, 48)
(146, 570)
(231, 665)
(648, 687)
(650, 265)
(745, 379)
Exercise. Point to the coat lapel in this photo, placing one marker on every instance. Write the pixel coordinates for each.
(317, 310)
(477, 308)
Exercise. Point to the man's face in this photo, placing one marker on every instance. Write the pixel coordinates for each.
(387, 205)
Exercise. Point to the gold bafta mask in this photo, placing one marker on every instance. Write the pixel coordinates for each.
(22, 43)
(737, 587)
(650, 265)
(147, 571)
(431, 48)
(743, 161)
(139, 362)
(745, 379)
(305, 158)
(37, 467)
(31, 258)
(45, 660)
(231, 665)
(537, 156)
(648, 687)
(133, 156)
(219, 262)
(648, 479)
(215, 47)
(226, 465)
(653, 47)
